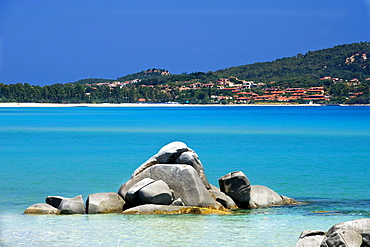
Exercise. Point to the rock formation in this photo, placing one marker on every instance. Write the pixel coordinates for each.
(173, 180)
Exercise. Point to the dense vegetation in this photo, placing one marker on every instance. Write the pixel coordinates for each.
(303, 70)
(346, 67)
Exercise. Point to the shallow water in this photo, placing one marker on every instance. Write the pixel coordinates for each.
(319, 155)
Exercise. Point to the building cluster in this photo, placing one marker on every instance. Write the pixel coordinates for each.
(289, 94)
(223, 83)
(239, 91)
(240, 88)
(113, 84)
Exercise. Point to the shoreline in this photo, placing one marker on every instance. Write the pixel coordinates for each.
(146, 105)
(153, 105)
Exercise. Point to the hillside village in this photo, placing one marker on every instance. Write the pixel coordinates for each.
(234, 91)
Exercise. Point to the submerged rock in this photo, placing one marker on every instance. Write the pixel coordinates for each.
(41, 208)
(104, 203)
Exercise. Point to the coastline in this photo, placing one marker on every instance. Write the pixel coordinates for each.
(138, 105)
(154, 105)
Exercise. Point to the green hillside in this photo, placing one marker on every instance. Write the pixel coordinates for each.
(343, 61)
(330, 76)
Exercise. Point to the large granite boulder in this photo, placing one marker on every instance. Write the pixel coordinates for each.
(262, 196)
(72, 205)
(175, 153)
(183, 180)
(41, 208)
(310, 239)
(104, 203)
(237, 186)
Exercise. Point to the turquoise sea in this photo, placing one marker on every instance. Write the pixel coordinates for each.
(317, 155)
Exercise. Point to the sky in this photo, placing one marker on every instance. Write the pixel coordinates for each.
(44, 42)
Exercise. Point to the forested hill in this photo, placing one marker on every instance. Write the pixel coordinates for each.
(330, 76)
(344, 61)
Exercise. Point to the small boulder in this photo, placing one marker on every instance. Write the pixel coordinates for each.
(262, 196)
(132, 194)
(175, 153)
(237, 186)
(222, 198)
(104, 203)
(157, 192)
(72, 205)
(169, 153)
(41, 208)
(54, 200)
(310, 239)
(166, 155)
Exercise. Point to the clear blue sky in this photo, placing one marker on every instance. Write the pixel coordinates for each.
(58, 41)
